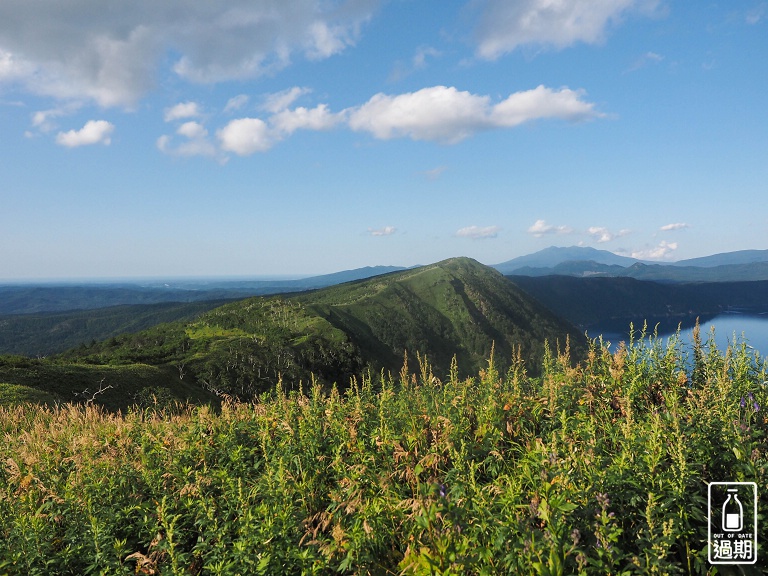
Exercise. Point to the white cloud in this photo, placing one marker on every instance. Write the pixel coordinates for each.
(386, 231)
(318, 118)
(12, 68)
(663, 251)
(280, 101)
(94, 132)
(438, 113)
(543, 102)
(602, 234)
(44, 120)
(447, 115)
(181, 111)
(504, 26)
(540, 228)
(245, 136)
(79, 50)
(236, 103)
(478, 232)
(196, 143)
(674, 226)
(192, 130)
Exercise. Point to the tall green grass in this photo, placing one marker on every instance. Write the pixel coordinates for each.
(600, 468)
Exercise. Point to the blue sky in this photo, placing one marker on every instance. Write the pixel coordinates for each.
(245, 138)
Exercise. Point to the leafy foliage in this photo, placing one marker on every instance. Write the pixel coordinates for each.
(598, 468)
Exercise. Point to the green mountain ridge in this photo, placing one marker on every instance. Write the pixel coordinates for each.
(457, 307)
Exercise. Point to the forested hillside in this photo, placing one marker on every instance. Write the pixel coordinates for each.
(597, 301)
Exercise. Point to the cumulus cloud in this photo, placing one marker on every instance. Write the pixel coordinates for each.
(80, 50)
(602, 234)
(504, 26)
(543, 102)
(439, 113)
(674, 226)
(94, 132)
(540, 228)
(192, 130)
(663, 251)
(448, 115)
(195, 143)
(245, 136)
(386, 231)
(318, 118)
(478, 232)
(181, 111)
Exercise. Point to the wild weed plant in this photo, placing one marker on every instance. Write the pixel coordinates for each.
(598, 468)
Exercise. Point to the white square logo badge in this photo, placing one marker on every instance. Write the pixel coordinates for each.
(732, 523)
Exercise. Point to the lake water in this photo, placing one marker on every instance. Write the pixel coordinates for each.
(750, 328)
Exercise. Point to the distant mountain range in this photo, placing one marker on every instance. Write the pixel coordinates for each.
(47, 319)
(743, 265)
(554, 256)
(61, 297)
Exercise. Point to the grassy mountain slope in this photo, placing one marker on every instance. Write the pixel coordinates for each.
(240, 348)
(456, 307)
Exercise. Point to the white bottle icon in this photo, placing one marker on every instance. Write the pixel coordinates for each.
(733, 513)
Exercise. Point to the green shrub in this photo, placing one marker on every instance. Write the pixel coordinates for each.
(600, 468)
